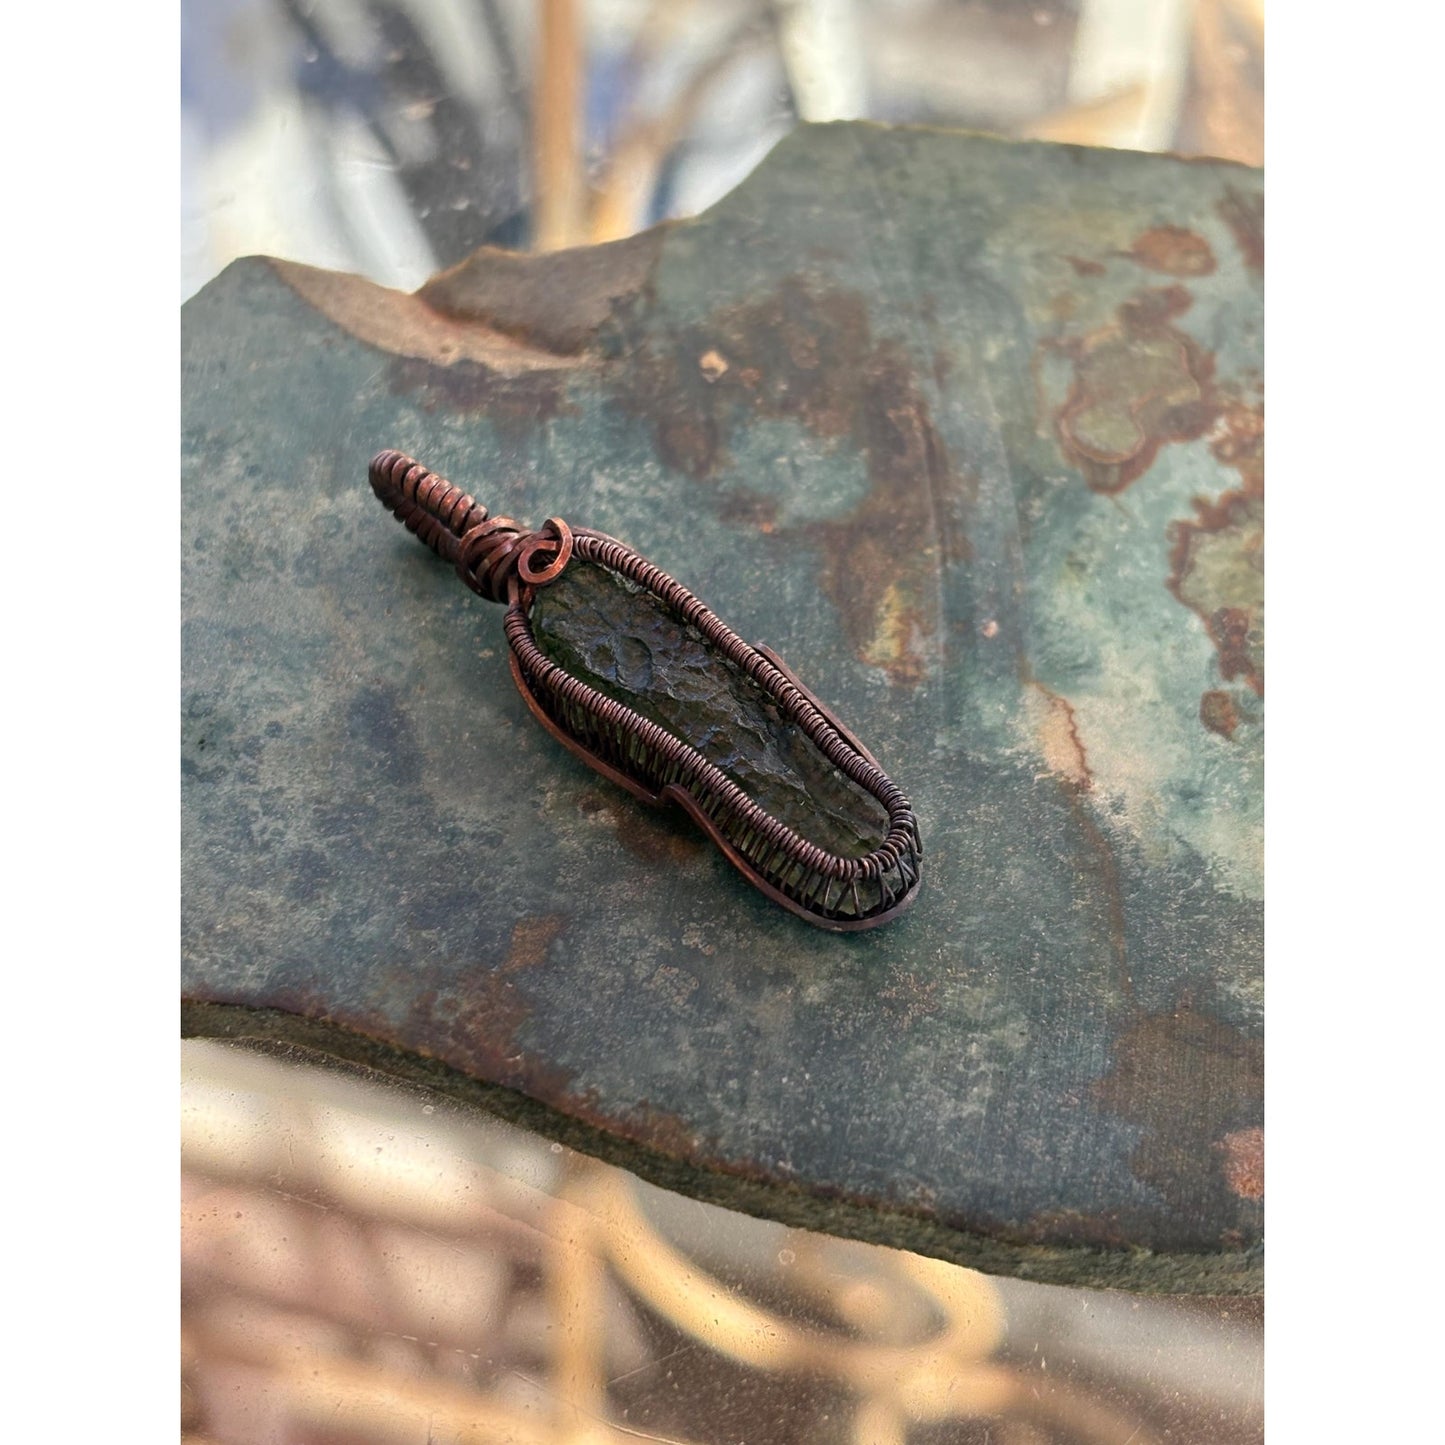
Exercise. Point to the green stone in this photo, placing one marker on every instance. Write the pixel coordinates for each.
(622, 640)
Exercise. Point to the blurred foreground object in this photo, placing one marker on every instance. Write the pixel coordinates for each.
(971, 431)
(369, 1263)
(392, 137)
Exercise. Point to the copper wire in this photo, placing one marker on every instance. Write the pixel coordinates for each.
(506, 563)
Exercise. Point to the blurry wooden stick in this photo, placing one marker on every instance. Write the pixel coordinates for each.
(620, 206)
(577, 1291)
(1230, 109)
(558, 180)
(942, 1375)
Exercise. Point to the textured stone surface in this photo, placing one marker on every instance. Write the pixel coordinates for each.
(971, 434)
(625, 643)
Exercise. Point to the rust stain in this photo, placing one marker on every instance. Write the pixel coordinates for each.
(655, 838)
(1188, 1079)
(748, 509)
(1243, 1162)
(512, 404)
(1107, 1230)
(531, 938)
(1084, 267)
(1174, 251)
(880, 569)
(1059, 743)
(648, 838)
(660, 1130)
(807, 354)
(1138, 385)
(1217, 556)
(1218, 713)
(1243, 213)
(1240, 441)
(405, 325)
(475, 1027)
(657, 1129)
(1057, 730)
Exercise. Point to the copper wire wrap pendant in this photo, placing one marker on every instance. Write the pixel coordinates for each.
(508, 563)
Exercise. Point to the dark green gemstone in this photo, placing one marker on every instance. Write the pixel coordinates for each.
(622, 640)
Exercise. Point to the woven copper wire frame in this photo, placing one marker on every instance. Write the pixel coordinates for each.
(500, 560)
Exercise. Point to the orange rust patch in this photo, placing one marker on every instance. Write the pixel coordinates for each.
(1243, 1162)
(531, 938)
(1218, 713)
(880, 567)
(1057, 740)
(1084, 267)
(1159, 305)
(1174, 251)
(1138, 385)
(1057, 730)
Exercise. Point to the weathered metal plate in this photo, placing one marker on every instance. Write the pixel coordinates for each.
(970, 432)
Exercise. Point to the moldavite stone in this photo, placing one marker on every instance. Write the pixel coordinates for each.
(622, 640)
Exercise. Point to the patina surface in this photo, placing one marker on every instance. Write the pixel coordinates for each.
(971, 434)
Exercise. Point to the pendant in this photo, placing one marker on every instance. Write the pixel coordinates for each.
(624, 666)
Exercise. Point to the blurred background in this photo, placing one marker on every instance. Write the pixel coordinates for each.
(365, 1262)
(392, 137)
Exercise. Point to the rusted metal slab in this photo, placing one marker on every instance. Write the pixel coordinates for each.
(971, 434)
